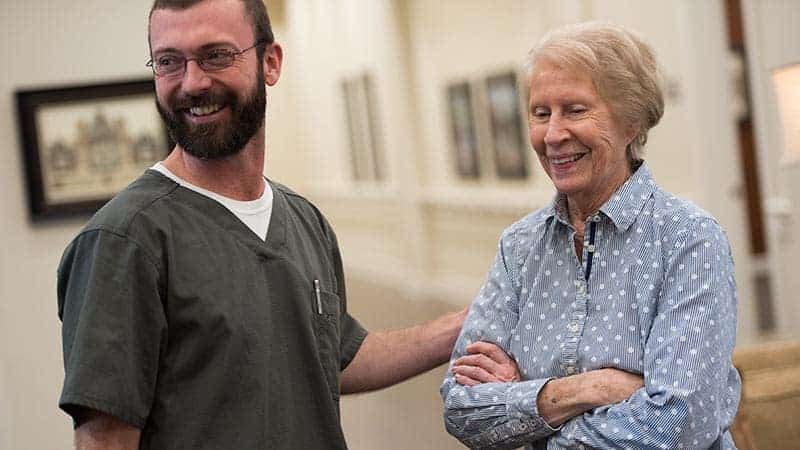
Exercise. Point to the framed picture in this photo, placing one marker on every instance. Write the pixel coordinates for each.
(83, 144)
(510, 152)
(462, 124)
(363, 128)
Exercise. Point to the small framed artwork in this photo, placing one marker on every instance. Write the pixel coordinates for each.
(83, 144)
(462, 125)
(363, 128)
(505, 115)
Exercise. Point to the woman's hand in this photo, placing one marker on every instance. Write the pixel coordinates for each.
(486, 363)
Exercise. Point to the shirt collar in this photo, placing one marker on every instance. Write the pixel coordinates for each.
(622, 208)
(626, 204)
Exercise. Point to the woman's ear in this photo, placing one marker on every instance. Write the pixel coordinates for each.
(631, 132)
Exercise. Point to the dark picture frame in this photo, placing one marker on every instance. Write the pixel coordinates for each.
(83, 143)
(507, 134)
(466, 152)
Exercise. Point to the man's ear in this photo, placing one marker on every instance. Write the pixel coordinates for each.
(273, 58)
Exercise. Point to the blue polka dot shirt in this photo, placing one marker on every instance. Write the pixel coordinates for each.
(659, 301)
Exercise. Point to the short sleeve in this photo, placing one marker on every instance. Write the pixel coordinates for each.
(113, 326)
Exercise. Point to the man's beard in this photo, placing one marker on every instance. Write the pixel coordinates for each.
(221, 139)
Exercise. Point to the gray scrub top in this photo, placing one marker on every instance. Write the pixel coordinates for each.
(179, 320)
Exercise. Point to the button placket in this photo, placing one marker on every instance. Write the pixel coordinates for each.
(569, 352)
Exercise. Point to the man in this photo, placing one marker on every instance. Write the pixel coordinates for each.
(204, 307)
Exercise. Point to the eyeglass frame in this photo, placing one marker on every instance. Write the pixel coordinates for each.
(200, 60)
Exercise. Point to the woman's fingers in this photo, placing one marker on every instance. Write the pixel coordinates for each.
(476, 373)
(486, 363)
(478, 360)
(492, 351)
(466, 381)
(495, 360)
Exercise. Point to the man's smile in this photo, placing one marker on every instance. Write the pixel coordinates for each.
(204, 110)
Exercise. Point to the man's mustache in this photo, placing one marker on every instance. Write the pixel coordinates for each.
(184, 102)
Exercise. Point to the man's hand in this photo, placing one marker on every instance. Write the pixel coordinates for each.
(486, 363)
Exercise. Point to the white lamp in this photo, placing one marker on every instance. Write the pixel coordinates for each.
(787, 91)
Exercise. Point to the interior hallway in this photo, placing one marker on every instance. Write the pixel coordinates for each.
(417, 237)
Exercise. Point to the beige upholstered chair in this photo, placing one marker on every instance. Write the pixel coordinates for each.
(769, 413)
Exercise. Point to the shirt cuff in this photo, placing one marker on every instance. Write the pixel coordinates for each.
(521, 401)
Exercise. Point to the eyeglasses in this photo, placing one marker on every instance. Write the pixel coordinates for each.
(174, 65)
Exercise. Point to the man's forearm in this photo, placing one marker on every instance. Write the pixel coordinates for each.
(389, 357)
(101, 431)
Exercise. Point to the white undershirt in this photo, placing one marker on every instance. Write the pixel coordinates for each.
(254, 213)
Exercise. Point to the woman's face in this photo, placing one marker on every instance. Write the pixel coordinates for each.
(579, 143)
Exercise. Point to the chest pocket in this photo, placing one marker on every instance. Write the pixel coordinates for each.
(327, 307)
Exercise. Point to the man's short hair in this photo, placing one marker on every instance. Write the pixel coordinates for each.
(254, 10)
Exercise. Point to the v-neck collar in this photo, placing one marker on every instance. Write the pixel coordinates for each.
(227, 220)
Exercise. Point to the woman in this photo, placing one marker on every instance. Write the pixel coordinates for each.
(616, 303)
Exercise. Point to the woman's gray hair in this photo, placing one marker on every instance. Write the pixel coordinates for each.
(621, 65)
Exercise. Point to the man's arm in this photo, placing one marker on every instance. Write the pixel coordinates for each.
(389, 357)
(385, 358)
(101, 431)
(113, 330)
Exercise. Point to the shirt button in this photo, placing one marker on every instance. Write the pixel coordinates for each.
(596, 218)
(573, 327)
(590, 248)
